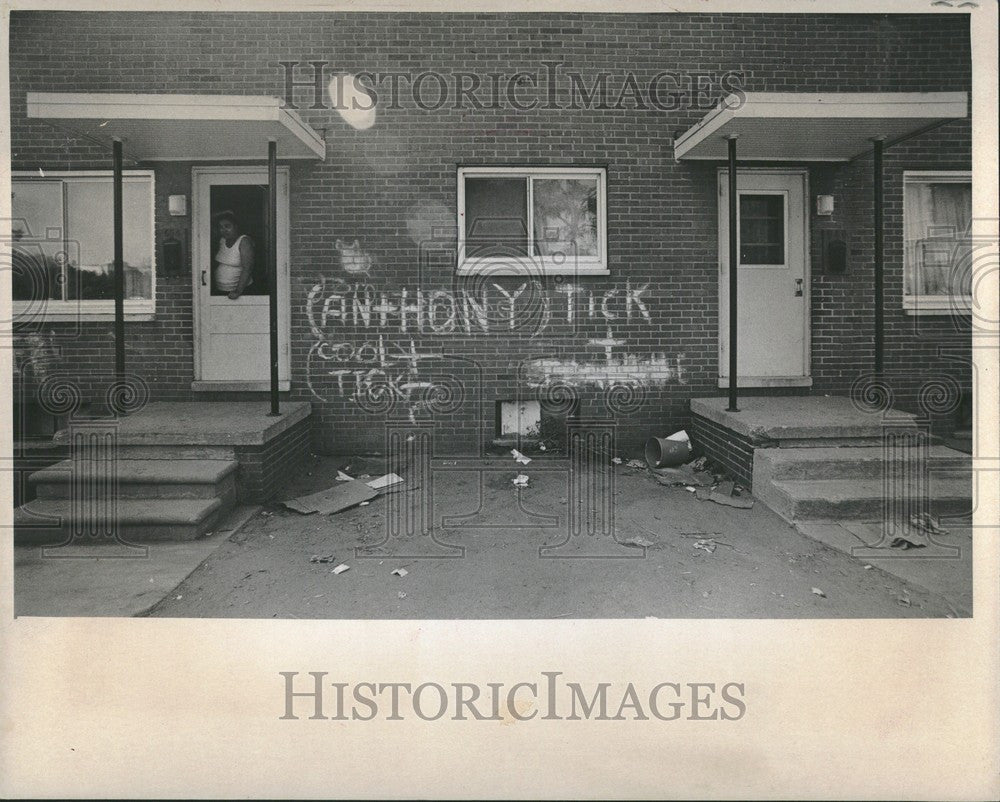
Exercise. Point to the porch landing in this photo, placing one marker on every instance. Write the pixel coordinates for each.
(799, 420)
(207, 423)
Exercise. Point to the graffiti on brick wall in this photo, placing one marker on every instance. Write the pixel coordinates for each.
(384, 370)
(353, 259)
(483, 310)
(627, 370)
(374, 374)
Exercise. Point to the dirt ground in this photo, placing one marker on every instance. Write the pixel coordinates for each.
(489, 565)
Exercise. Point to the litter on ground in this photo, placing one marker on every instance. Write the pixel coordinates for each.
(389, 480)
(340, 568)
(519, 457)
(725, 493)
(684, 475)
(706, 545)
(333, 499)
(520, 480)
(316, 558)
(400, 572)
(818, 592)
(638, 541)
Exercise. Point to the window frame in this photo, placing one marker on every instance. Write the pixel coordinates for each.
(781, 193)
(931, 304)
(82, 309)
(541, 265)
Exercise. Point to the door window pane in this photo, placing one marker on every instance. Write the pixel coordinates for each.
(248, 205)
(762, 229)
(565, 216)
(496, 217)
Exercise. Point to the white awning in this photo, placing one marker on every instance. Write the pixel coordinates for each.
(182, 127)
(798, 126)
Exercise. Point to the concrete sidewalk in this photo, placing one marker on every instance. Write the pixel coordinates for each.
(95, 581)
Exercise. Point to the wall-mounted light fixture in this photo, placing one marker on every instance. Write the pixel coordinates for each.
(177, 205)
(824, 205)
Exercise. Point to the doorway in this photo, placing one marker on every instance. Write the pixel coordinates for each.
(232, 339)
(773, 280)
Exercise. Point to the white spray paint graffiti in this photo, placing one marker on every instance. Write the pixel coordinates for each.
(378, 371)
(353, 259)
(373, 375)
(615, 371)
(487, 309)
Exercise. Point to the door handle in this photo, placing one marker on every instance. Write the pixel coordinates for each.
(205, 283)
(798, 288)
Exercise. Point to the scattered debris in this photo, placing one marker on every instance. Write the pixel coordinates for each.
(364, 503)
(343, 477)
(903, 601)
(541, 447)
(818, 592)
(178, 598)
(388, 480)
(521, 480)
(401, 595)
(639, 542)
(691, 489)
(400, 572)
(684, 475)
(636, 463)
(917, 534)
(340, 568)
(334, 499)
(616, 460)
(706, 545)
(519, 457)
(868, 567)
(329, 558)
(928, 523)
(725, 493)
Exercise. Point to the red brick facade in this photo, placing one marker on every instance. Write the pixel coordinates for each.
(385, 186)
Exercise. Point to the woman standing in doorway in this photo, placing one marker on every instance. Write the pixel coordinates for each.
(234, 258)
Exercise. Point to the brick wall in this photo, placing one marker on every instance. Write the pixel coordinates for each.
(385, 185)
(263, 470)
(730, 450)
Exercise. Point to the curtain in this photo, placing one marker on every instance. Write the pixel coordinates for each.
(937, 216)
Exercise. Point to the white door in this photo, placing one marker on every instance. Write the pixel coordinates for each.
(232, 345)
(773, 283)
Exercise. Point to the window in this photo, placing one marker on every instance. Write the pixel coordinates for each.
(545, 220)
(63, 249)
(937, 211)
(762, 229)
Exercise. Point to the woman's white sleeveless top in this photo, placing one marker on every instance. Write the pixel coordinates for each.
(227, 275)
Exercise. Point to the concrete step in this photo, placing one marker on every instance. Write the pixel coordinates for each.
(139, 520)
(855, 499)
(174, 452)
(775, 464)
(141, 479)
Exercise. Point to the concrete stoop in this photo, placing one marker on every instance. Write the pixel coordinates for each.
(855, 483)
(147, 499)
